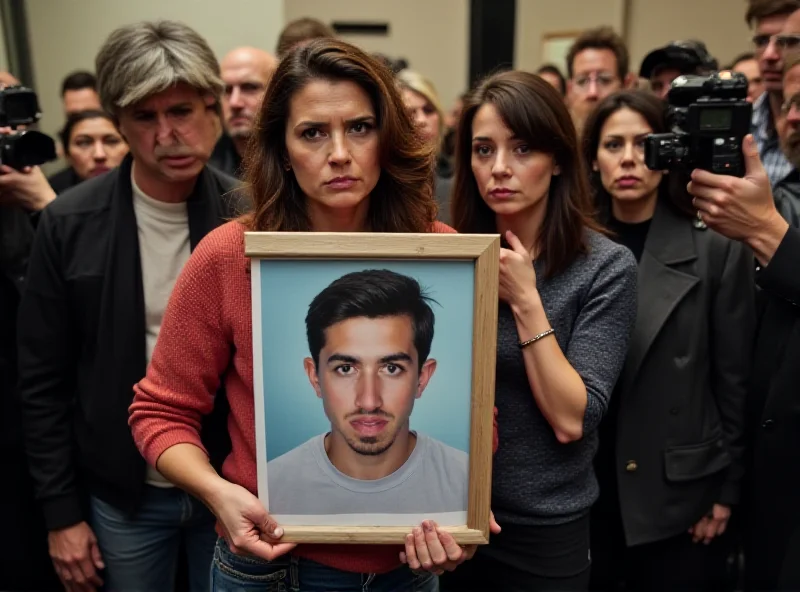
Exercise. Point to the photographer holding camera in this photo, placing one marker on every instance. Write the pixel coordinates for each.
(22, 182)
(24, 561)
(732, 196)
(743, 209)
(740, 206)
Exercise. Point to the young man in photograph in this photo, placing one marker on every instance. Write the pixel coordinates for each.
(369, 335)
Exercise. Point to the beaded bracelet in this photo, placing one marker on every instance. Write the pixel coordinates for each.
(536, 338)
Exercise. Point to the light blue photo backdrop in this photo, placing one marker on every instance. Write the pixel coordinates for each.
(293, 413)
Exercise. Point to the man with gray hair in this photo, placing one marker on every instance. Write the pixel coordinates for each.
(105, 258)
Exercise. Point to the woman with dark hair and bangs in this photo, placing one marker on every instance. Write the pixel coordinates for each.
(670, 461)
(568, 304)
(335, 151)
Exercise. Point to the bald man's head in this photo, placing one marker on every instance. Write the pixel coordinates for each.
(246, 72)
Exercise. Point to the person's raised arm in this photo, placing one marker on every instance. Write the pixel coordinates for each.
(743, 209)
(192, 354)
(572, 387)
(27, 188)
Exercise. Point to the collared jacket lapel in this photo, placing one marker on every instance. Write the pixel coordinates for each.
(84, 340)
(680, 399)
(121, 330)
(662, 285)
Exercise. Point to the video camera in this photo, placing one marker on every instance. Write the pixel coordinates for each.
(18, 149)
(710, 117)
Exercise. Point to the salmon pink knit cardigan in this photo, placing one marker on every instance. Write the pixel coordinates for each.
(205, 341)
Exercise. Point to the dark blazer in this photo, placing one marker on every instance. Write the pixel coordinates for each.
(16, 239)
(82, 345)
(773, 516)
(226, 158)
(682, 392)
(787, 198)
(24, 561)
(64, 179)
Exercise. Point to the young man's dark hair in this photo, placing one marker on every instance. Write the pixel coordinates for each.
(600, 38)
(78, 81)
(373, 293)
(761, 9)
(553, 69)
(300, 30)
(743, 57)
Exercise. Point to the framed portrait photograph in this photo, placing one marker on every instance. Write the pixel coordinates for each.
(374, 375)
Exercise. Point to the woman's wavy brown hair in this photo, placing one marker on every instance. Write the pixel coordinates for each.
(402, 200)
(535, 112)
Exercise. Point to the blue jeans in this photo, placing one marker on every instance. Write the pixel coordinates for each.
(141, 552)
(234, 573)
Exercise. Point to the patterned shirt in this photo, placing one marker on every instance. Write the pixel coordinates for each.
(766, 138)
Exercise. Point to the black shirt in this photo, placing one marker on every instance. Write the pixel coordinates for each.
(632, 235)
(226, 158)
(63, 180)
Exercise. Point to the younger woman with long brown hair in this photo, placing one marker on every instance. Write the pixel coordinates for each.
(334, 152)
(568, 306)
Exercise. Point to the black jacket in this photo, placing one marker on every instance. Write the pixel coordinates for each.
(773, 553)
(16, 239)
(787, 198)
(82, 342)
(24, 561)
(64, 179)
(682, 393)
(226, 158)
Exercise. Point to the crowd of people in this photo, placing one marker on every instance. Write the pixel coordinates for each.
(646, 422)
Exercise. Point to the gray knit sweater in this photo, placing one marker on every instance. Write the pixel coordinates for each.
(592, 307)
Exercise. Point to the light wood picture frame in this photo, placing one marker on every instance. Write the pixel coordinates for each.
(287, 270)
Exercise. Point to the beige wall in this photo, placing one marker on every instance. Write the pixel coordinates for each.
(536, 18)
(656, 23)
(66, 34)
(433, 35)
(652, 23)
(3, 55)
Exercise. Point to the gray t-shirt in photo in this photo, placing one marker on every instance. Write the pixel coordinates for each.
(434, 479)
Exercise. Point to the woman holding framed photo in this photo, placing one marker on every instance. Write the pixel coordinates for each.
(568, 304)
(334, 151)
